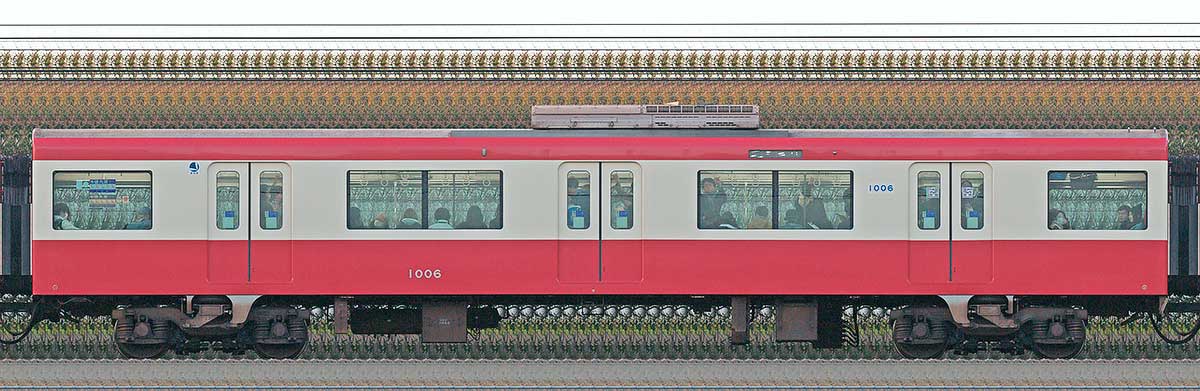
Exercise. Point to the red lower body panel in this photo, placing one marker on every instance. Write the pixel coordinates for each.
(579, 261)
(685, 267)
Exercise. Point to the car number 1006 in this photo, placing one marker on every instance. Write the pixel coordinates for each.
(881, 188)
(425, 273)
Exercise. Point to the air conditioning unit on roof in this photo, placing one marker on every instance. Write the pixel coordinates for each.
(645, 117)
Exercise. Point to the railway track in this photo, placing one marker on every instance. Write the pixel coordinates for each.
(608, 333)
(596, 374)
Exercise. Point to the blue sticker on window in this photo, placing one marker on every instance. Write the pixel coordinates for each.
(229, 213)
(972, 214)
(623, 213)
(929, 213)
(271, 213)
(578, 212)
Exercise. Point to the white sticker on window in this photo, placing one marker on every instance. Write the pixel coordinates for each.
(968, 192)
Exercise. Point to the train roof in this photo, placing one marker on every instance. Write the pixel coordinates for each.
(615, 133)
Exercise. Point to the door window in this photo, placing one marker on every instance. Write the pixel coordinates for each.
(621, 198)
(579, 199)
(971, 195)
(229, 200)
(929, 200)
(271, 200)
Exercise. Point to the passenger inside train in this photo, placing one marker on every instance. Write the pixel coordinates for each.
(409, 220)
(441, 219)
(141, 219)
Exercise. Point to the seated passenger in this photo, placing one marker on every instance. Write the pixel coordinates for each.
(791, 220)
(1124, 217)
(354, 218)
(761, 218)
(841, 218)
(441, 219)
(409, 220)
(62, 217)
(728, 221)
(381, 221)
(1058, 220)
(141, 220)
(712, 199)
(496, 222)
(474, 219)
(1138, 217)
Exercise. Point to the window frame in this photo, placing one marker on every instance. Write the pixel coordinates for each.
(631, 196)
(981, 194)
(776, 192)
(941, 194)
(237, 222)
(54, 199)
(425, 212)
(1146, 204)
(588, 219)
(776, 218)
(283, 201)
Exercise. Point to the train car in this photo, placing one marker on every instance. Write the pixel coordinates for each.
(226, 238)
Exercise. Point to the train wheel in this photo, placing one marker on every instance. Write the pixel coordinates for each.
(279, 333)
(1056, 338)
(142, 351)
(141, 337)
(920, 338)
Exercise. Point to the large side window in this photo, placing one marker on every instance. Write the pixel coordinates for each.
(1096, 200)
(465, 200)
(816, 200)
(102, 200)
(385, 200)
(775, 200)
(424, 200)
(735, 199)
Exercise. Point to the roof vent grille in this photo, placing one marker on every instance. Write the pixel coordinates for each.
(670, 116)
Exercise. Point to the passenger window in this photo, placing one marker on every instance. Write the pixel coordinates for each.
(1096, 200)
(464, 200)
(735, 200)
(971, 197)
(621, 198)
(579, 201)
(229, 200)
(385, 200)
(929, 200)
(816, 200)
(270, 191)
(99, 200)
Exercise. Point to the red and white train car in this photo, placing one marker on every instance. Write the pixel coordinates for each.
(972, 235)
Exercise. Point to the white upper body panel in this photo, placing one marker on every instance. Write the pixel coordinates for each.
(667, 208)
